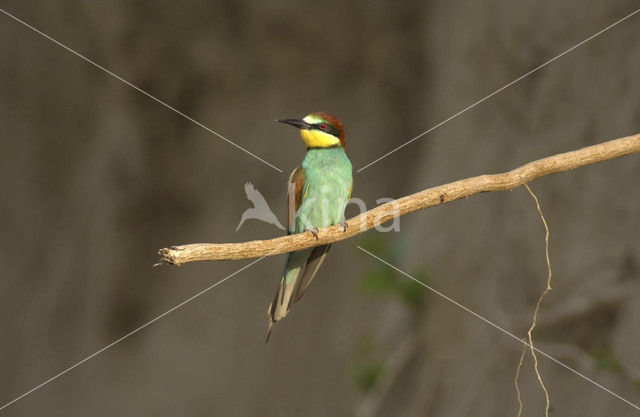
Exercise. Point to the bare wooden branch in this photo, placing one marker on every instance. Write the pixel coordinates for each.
(178, 255)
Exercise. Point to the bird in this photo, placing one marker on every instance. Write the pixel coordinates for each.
(317, 194)
(260, 209)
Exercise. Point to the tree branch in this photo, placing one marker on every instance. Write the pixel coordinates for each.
(178, 255)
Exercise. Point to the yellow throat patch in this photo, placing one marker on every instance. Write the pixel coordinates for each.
(318, 139)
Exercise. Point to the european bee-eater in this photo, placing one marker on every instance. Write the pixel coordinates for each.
(318, 191)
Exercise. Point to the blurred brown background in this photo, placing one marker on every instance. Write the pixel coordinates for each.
(96, 177)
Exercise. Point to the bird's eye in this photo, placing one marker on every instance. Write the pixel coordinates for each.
(323, 126)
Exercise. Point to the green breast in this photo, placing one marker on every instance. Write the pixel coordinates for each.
(326, 189)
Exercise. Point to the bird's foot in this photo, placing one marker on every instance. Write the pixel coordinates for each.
(344, 226)
(314, 232)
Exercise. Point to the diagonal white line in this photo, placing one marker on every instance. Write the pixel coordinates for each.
(539, 67)
(137, 88)
(524, 342)
(93, 355)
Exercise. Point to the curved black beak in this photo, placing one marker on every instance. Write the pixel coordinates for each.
(300, 124)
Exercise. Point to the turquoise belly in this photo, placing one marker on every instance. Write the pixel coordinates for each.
(326, 189)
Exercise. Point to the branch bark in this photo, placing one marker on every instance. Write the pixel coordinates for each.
(178, 255)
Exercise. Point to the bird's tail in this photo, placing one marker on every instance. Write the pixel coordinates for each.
(300, 269)
(271, 323)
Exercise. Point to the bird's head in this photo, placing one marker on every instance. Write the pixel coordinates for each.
(319, 130)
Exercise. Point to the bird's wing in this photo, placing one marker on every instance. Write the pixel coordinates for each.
(297, 262)
(313, 263)
(294, 191)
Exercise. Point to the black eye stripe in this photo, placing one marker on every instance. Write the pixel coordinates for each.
(328, 129)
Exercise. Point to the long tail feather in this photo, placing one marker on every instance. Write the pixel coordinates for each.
(311, 269)
(271, 323)
(300, 269)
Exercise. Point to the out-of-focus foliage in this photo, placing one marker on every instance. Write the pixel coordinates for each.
(380, 279)
(368, 366)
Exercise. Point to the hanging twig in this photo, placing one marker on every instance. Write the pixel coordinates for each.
(534, 320)
(178, 255)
